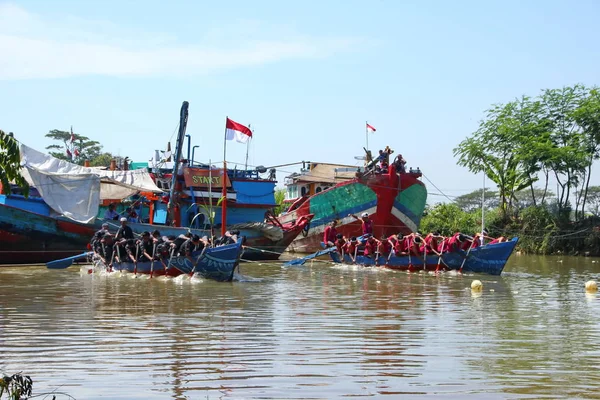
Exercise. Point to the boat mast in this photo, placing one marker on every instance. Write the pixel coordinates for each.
(482, 209)
(183, 117)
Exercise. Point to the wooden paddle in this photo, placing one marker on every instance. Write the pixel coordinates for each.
(66, 262)
(301, 261)
(198, 260)
(467, 256)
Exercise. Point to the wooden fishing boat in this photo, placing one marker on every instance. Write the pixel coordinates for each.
(486, 259)
(394, 200)
(216, 263)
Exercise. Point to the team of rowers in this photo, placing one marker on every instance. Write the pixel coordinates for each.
(413, 244)
(123, 247)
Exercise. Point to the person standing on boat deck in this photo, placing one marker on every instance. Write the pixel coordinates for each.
(124, 231)
(367, 223)
(111, 213)
(330, 234)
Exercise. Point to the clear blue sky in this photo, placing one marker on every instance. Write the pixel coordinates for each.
(305, 75)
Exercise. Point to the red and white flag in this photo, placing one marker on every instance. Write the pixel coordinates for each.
(236, 131)
(69, 154)
(370, 128)
(72, 135)
(76, 153)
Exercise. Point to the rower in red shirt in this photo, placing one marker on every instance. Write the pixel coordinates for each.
(385, 247)
(339, 243)
(371, 246)
(431, 243)
(367, 223)
(330, 234)
(351, 248)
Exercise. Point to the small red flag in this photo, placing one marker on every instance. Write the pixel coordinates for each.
(236, 131)
(371, 128)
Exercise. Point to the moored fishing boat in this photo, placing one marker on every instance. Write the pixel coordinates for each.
(393, 199)
(62, 220)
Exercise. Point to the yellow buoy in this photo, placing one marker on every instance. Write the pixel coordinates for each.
(476, 285)
(591, 286)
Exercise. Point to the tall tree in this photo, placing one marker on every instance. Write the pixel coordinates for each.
(568, 156)
(492, 149)
(587, 116)
(472, 201)
(74, 148)
(10, 164)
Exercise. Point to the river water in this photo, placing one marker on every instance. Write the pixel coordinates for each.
(311, 332)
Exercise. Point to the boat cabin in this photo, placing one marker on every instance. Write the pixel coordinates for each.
(315, 178)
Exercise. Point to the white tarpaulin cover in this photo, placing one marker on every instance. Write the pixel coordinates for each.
(76, 191)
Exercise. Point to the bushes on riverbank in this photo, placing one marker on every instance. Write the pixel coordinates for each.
(540, 230)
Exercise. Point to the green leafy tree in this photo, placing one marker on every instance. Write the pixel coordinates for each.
(82, 148)
(279, 198)
(587, 116)
(472, 201)
(492, 149)
(10, 164)
(568, 156)
(448, 218)
(593, 200)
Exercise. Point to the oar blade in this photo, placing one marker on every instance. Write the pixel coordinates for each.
(65, 262)
(301, 261)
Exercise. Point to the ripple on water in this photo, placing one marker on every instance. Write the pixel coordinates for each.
(311, 332)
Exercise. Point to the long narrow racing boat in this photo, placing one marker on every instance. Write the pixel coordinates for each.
(486, 259)
(216, 263)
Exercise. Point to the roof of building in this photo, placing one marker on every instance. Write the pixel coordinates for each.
(326, 173)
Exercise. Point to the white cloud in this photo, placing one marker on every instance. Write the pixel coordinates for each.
(36, 47)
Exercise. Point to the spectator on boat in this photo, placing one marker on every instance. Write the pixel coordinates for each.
(133, 217)
(387, 152)
(124, 232)
(367, 223)
(400, 163)
(145, 247)
(330, 234)
(110, 213)
(351, 248)
(384, 168)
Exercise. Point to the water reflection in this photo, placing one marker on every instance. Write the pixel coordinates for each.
(309, 332)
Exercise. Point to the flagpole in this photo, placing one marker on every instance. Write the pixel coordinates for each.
(224, 185)
(367, 133)
(247, 148)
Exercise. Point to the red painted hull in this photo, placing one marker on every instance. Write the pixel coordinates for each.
(394, 202)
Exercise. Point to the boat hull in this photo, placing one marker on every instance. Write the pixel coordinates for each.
(27, 237)
(489, 259)
(394, 202)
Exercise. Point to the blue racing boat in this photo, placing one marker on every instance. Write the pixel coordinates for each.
(216, 263)
(486, 259)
